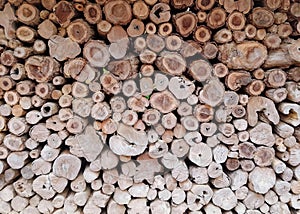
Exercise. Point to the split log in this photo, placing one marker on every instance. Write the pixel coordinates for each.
(160, 13)
(256, 104)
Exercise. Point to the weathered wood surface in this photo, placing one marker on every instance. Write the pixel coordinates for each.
(139, 106)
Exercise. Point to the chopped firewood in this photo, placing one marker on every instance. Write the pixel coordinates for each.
(262, 179)
(185, 23)
(7, 17)
(63, 48)
(79, 31)
(160, 13)
(247, 55)
(257, 104)
(28, 14)
(118, 12)
(64, 12)
(137, 119)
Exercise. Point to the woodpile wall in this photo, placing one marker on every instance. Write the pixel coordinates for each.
(149, 106)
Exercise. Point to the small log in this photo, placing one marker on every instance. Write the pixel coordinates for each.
(291, 113)
(275, 78)
(214, 170)
(7, 58)
(41, 69)
(202, 16)
(28, 14)
(13, 143)
(8, 17)
(262, 173)
(200, 154)
(173, 42)
(250, 31)
(150, 28)
(103, 27)
(260, 34)
(16, 160)
(161, 82)
(262, 17)
(165, 29)
(210, 50)
(136, 28)
(118, 12)
(64, 12)
(96, 52)
(47, 29)
(285, 30)
(256, 104)
(19, 203)
(92, 13)
(264, 156)
(236, 21)
(205, 5)
(62, 48)
(182, 88)
(259, 74)
(150, 117)
(216, 18)
(160, 13)
(138, 104)
(202, 34)
(39, 46)
(243, 61)
(220, 153)
(224, 198)
(185, 23)
(272, 41)
(163, 101)
(212, 93)
(63, 160)
(79, 31)
(22, 53)
(17, 126)
(255, 88)
(140, 10)
(147, 70)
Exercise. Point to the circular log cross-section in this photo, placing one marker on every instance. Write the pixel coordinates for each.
(92, 13)
(66, 166)
(216, 18)
(79, 31)
(28, 14)
(262, 17)
(96, 52)
(118, 12)
(64, 12)
(185, 23)
(236, 21)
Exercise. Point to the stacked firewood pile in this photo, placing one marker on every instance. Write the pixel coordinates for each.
(149, 106)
